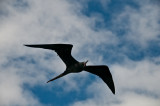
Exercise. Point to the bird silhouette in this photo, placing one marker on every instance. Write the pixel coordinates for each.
(73, 66)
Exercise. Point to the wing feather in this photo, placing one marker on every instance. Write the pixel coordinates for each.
(103, 72)
(63, 51)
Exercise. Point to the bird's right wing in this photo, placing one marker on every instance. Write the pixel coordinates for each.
(63, 51)
(103, 72)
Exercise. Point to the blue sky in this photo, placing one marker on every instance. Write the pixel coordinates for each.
(123, 34)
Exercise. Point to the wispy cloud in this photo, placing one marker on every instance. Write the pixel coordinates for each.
(27, 22)
(141, 22)
(62, 21)
(136, 84)
(136, 81)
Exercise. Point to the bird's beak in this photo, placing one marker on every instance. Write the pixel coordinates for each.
(85, 63)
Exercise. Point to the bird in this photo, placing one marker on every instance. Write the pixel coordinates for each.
(74, 66)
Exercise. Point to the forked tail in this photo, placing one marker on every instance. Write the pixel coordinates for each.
(59, 76)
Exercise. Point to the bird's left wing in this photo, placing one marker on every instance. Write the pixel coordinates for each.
(63, 51)
(103, 72)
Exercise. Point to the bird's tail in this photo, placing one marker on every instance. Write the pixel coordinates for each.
(59, 76)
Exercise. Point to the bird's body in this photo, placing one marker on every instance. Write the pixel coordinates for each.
(73, 66)
(77, 67)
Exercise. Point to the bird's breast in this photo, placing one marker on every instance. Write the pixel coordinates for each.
(75, 68)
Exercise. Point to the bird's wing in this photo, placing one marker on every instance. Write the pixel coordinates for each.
(63, 51)
(103, 72)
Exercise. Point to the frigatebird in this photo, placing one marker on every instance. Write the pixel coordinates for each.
(73, 66)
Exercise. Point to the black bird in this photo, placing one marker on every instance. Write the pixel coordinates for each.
(73, 66)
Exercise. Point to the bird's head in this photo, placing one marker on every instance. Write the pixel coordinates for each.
(85, 63)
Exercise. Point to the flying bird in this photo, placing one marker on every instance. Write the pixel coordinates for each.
(74, 66)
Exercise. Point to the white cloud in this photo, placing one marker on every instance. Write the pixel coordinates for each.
(60, 21)
(127, 100)
(11, 89)
(136, 83)
(133, 99)
(57, 21)
(142, 76)
(141, 22)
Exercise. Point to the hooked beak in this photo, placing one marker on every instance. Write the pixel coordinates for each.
(85, 63)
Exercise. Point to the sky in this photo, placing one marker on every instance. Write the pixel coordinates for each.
(122, 34)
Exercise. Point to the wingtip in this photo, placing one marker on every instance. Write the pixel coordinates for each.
(25, 45)
(29, 45)
(113, 92)
(48, 81)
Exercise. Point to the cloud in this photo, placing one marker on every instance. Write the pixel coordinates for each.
(62, 21)
(135, 82)
(140, 100)
(11, 88)
(27, 22)
(128, 100)
(141, 22)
